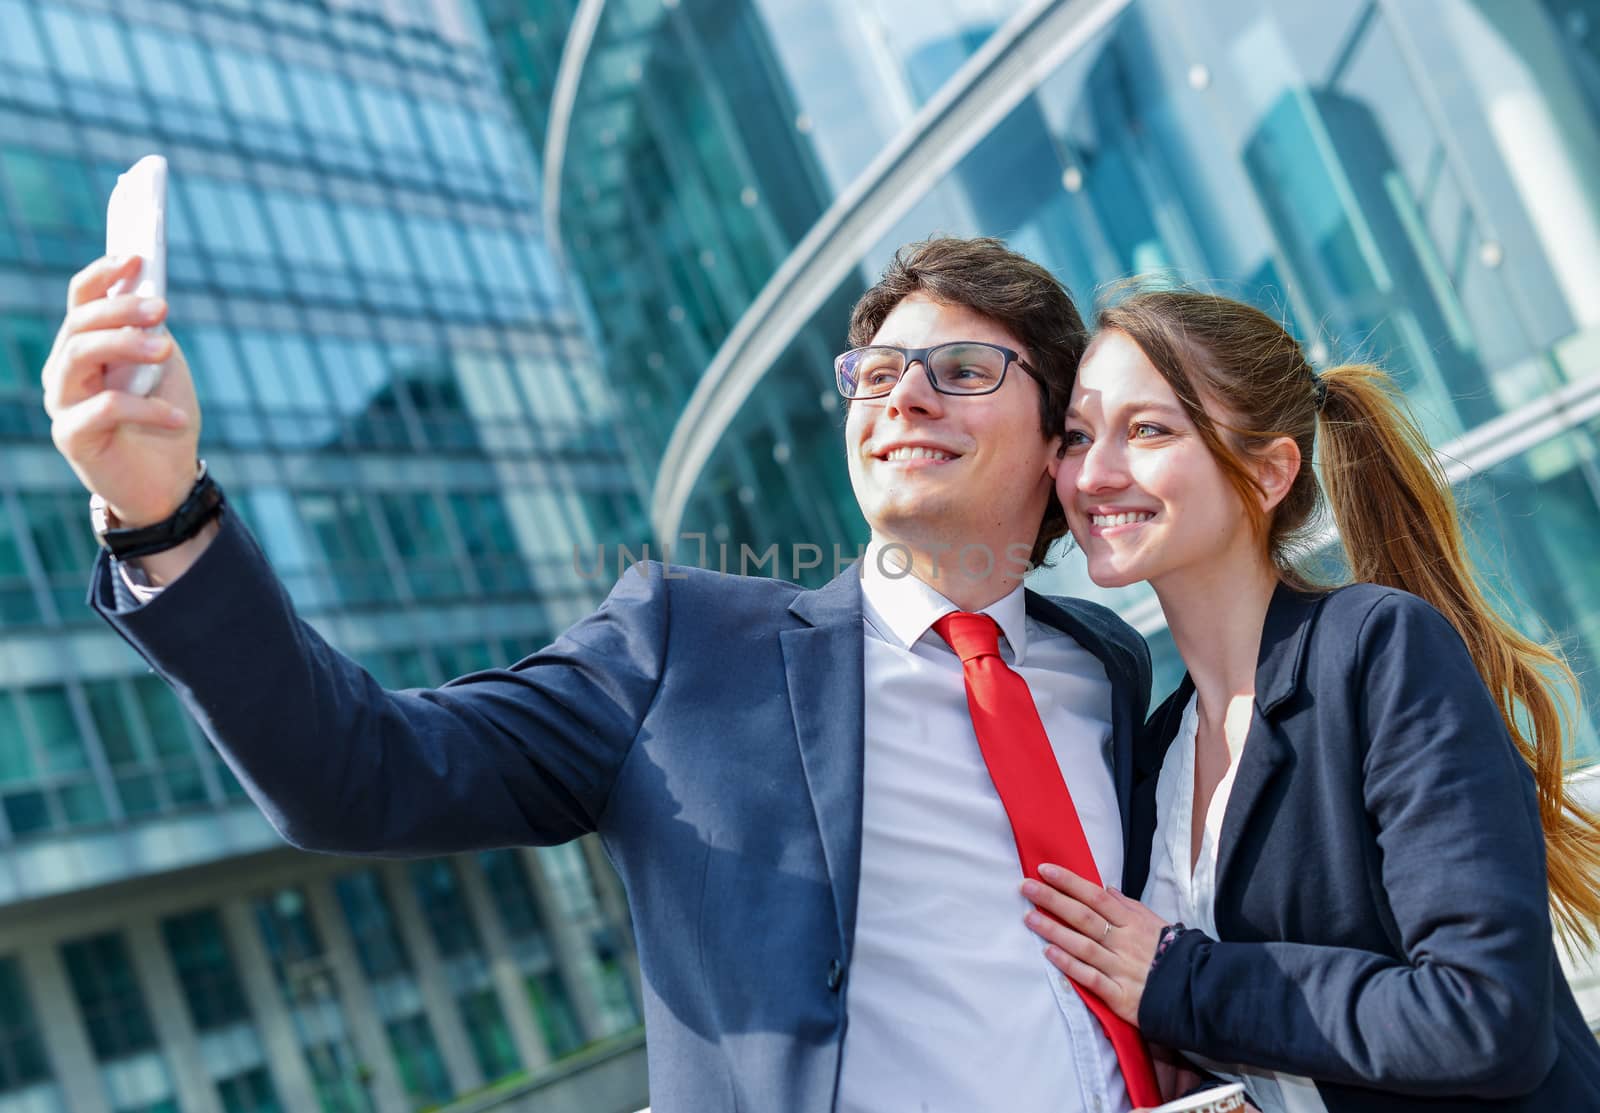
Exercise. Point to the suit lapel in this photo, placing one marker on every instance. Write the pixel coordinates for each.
(1125, 719)
(824, 665)
(1280, 665)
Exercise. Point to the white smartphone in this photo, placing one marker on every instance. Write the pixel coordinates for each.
(1219, 1099)
(136, 224)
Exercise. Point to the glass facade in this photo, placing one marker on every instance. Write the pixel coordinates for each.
(1413, 183)
(110, 999)
(398, 389)
(402, 398)
(25, 1078)
(460, 946)
(388, 966)
(524, 924)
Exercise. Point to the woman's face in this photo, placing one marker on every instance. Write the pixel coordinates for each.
(1144, 496)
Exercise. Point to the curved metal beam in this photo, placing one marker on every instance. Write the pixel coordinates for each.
(569, 74)
(1005, 70)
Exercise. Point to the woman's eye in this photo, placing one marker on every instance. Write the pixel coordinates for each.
(1075, 438)
(1144, 430)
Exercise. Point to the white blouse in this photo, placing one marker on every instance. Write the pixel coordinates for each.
(1174, 892)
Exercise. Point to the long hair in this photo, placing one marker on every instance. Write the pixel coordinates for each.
(1396, 517)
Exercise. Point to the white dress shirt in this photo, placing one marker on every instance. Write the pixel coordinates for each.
(952, 1005)
(1174, 892)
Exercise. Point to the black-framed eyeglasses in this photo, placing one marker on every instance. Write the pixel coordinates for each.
(959, 367)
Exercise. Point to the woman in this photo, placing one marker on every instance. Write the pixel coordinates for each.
(1349, 798)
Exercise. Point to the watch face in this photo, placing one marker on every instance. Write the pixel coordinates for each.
(99, 518)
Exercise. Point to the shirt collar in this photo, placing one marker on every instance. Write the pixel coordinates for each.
(904, 608)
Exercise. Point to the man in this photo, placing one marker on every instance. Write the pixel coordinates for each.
(822, 875)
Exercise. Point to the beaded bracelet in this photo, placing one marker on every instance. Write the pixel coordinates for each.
(1169, 935)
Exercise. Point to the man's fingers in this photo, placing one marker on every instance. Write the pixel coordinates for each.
(105, 313)
(77, 371)
(78, 429)
(99, 276)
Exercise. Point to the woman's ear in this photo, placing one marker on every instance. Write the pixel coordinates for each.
(1277, 466)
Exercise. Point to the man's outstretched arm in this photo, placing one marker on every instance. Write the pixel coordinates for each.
(335, 761)
(510, 756)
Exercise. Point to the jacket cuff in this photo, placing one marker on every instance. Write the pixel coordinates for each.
(231, 554)
(1165, 1008)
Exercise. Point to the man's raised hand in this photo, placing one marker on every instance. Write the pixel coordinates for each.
(137, 452)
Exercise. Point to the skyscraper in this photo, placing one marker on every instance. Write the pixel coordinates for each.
(402, 403)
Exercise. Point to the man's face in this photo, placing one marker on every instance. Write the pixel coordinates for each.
(932, 469)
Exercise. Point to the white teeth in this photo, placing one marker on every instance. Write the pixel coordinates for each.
(917, 452)
(1104, 520)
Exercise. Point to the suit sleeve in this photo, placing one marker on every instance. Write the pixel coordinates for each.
(1143, 675)
(519, 756)
(1470, 1009)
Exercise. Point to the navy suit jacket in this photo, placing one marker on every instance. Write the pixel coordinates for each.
(1381, 887)
(709, 727)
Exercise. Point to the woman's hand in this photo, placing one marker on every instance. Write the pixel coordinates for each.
(1099, 938)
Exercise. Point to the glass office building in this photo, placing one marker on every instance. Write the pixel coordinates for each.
(1417, 183)
(401, 401)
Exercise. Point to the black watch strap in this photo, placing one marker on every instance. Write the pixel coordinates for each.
(205, 502)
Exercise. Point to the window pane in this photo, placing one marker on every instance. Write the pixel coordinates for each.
(251, 85)
(205, 969)
(111, 720)
(389, 116)
(22, 1059)
(168, 723)
(250, 1092)
(83, 804)
(372, 927)
(20, 44)
(108, 996)
(16, 759)
(51, 193)
(60, 745)
(324, 103)
(28, 812)
(174, 66)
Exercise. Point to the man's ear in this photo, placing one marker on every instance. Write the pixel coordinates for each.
(1276, 467)
(1058, 450)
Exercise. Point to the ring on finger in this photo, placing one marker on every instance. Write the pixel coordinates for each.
(1106, 933)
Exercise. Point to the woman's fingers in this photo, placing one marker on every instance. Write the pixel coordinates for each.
(1096, 896)
(1079, 945)
(1072, 900)
(1096, 981)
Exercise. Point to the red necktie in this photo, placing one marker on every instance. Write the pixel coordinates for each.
(1043, 820)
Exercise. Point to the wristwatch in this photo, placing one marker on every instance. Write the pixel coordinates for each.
(203, 503)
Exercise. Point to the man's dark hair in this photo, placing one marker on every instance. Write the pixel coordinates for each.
(987, 277)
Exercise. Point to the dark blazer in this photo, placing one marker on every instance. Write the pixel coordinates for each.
(708, 727)
(1381, 887)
